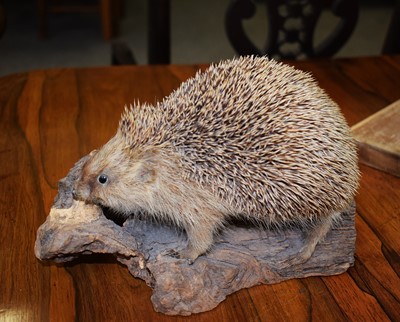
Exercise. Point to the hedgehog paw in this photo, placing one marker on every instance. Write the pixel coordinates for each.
(299, 258)
(178, 254)
(313, 237)
(171, 253)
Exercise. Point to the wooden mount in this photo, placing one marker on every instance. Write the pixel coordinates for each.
(241, 257)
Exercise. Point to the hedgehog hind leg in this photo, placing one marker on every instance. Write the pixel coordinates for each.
(314, 235)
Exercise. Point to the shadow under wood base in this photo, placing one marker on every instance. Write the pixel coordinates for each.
(240, 258)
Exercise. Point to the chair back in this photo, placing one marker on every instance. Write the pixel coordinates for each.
(291, 27)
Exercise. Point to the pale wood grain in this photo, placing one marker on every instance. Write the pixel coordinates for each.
(378, 138)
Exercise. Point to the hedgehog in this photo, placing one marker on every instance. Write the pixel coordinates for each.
(249, 138)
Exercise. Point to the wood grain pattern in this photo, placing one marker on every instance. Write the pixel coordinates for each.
(378, 138)
(50, 118)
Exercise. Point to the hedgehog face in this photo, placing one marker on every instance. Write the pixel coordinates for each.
(112, 178)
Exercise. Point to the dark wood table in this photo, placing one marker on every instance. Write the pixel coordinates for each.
(50, 118)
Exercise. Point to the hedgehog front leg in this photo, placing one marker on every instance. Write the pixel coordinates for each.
(314, 235)
(199, 242)
(200, 236)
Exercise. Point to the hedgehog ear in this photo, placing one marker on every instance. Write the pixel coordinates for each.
(146, 173)
(147, 169)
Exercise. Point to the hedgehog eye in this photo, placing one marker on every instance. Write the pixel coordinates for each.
(102, 178)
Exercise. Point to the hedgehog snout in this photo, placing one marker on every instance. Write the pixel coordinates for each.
(74, 194)
(80, 192)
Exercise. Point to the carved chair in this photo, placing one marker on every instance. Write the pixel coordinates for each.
(283, 33)
(291, 27)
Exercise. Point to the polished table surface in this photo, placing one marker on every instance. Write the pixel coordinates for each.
(50, 118)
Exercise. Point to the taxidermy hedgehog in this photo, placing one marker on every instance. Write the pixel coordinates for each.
(249, 138)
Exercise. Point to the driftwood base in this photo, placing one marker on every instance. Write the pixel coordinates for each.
(241, 257)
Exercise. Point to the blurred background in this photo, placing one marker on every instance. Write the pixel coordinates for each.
(75, 39)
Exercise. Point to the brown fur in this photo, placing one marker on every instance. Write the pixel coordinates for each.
(249, 137)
